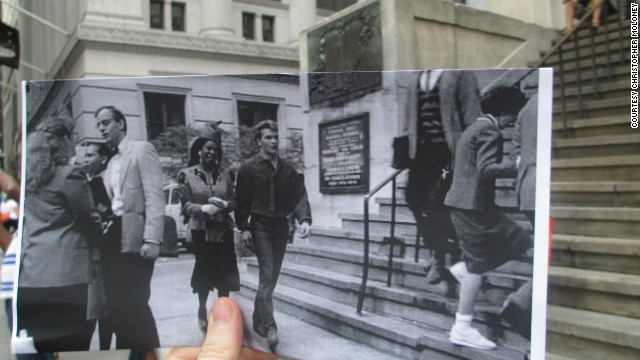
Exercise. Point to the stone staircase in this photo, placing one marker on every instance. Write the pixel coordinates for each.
(594, 277)
(320, 282)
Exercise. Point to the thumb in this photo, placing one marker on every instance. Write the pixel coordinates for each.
(224, 332)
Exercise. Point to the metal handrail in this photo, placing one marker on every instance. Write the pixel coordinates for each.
(365, 265)
(564, 40)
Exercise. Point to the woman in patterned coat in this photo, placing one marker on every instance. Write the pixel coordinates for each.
(208, 196)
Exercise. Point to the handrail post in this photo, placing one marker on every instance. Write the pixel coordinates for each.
(416, 254)
(562, 94)
(620, 37)
(367, 240)
(606, 39)
(392, 231)
(594, 72)
(578, 82)
(365, 261)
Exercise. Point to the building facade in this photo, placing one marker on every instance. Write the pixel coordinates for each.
(68, 39)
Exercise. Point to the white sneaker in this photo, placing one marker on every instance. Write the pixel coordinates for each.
(458, 270)
(471, 337)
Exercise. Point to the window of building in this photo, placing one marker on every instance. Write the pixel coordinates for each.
(163, 111)
(156, 14)
(334, 5)
(268, 28)
(177, 16)
(251, 112)
(248, 28)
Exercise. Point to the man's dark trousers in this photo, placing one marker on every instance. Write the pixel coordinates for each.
(127, 281)
(270, 242)
(425, 197)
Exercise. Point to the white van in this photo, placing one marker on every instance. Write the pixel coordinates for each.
(173, 209)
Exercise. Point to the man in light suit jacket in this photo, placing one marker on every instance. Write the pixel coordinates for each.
(133, 180)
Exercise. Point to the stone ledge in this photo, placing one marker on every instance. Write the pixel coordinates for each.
(595, 213)
(602, 281)
(593, 325)
(598, 245)
(595, 186)
(602, 161)
(596, 141)
(592, 122)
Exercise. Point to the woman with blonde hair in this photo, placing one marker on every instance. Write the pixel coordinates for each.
(55, 268)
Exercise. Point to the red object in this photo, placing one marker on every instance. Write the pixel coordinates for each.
(550, 237)
(4, 217)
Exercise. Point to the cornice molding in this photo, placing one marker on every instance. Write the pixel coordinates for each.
(170, 40)
(169, 43)
(268, 3)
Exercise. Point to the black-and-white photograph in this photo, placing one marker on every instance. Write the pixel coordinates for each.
(384, 215)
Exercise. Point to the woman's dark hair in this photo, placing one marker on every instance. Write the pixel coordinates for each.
(502, 101)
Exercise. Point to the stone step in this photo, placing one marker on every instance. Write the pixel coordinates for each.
(603, 291)
(589, 127)
(602, 90)
(607, 145)
(591, 334)
(595, 108)
(618, 222)
(378, 224)
(406, 273)
(585, 57)
(420, 307)
(342, 239)
(554, 356)
(402, 339)
(596, 253)
(603, 168)
(591, 193)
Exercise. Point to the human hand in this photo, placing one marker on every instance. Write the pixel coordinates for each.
(247, 239)
(150, 250)
(222, 204)
(303, 230)
(224, 338)
(210, 209)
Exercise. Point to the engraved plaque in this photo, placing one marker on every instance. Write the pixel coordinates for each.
(344, 155)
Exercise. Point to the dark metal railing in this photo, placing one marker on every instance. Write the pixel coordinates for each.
(365, 266)
(573, 34)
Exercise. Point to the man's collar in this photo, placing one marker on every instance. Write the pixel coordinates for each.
(275, 161)
(124, 145)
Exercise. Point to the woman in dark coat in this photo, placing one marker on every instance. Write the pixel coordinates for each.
(208, 196)
(55, 268)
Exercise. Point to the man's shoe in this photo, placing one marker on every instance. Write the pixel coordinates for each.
(202, 319)
(435, 275)
(470, 337)
(272, 338)
(259, 329)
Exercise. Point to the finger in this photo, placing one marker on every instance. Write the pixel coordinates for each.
(184, 353)
(224, 332)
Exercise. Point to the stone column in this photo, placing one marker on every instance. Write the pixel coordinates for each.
(302, 14)
(217, 18)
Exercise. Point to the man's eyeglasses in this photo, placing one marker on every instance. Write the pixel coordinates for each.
(59, 131)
